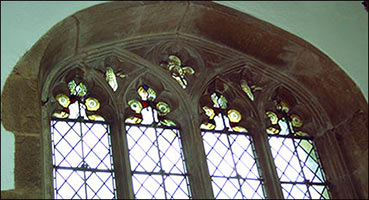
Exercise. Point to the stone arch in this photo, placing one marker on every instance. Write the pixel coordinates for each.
(218, 34)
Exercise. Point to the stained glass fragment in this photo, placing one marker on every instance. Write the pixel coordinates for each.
(135, 105)
(222, 102)
(239, 129)
(96, 118)
(163, 108)
(207, 126)
(301, 133)
(245, 87)
(273, 130)
(167, 122)
(296, 120)
(273, 117)
(92, 104)
(111, 78)
(234, 116)
(188, 70)
(152, 94)
(133, 120)
(63, 100)
(284, 106)
(143, 93)
(209, 112)
(60, 114)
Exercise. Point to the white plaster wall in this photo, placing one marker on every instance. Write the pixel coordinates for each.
(339, 29)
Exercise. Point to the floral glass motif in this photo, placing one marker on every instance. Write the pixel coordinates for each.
(76, 105)
(111, 78)
(249, 90)
(230, 154)
(147, 104)
(155, 150)
(218, 113)
(177, 70)
(81, 148)
(295, 157)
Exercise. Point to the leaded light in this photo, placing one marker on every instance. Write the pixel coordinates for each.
(230, 153)
(296, 159)
(81, 147)
(155, 150)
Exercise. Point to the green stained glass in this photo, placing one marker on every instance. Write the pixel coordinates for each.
(167, 122)
(81, 89)
(163, 108)
(300, 133)
(222, 102)
(111, 78)
(188, 70)
(152, 94)
(214, 98)
(135, 105)
(306, 145)
(72, 87)
(296, 120)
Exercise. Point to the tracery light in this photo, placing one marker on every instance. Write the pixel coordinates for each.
(155, 150)
(298, 166)
(230, 155)
(81, 147)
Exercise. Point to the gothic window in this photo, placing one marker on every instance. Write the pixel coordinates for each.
(155, 150)
(230, 153)
(81, 147)
(295, 156)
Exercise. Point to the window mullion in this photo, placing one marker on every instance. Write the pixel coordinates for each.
(265, 159)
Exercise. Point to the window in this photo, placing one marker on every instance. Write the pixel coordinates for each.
(82, 155)
(155, 151)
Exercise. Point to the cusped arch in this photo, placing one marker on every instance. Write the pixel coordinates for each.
(220, 33)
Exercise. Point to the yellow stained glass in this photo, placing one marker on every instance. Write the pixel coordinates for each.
(239, 129)
(234, 116)
(111, 78)
(174, 61)
(188, 70)
(135, 105)
(272, 131)
(167, 122)
(92, 104)
(284, 106)
(60, 114)
(163, 108)
(245, 87)
(63, 100)
(143, 93)
(272, 116)
(207, 126)
(296, 120)
(133, 120)
(96, 118)
(209, 112)
(300, 133)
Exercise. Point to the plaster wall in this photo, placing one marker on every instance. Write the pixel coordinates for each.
(339, 29)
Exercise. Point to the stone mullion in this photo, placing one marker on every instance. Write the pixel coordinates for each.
(265, 159)
(122, 169)
(195, 159)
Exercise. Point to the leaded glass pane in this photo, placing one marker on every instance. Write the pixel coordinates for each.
(82, 160)
(157, 163)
